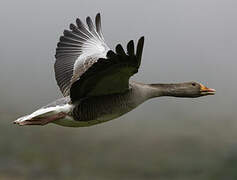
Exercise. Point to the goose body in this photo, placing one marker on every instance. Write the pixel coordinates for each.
(94, 80)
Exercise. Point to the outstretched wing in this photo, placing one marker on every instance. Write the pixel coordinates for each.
(109, 75)
(78, 49)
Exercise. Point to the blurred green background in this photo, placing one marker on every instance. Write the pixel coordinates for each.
(165, 138)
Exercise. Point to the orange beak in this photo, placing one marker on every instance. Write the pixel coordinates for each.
(207, 91)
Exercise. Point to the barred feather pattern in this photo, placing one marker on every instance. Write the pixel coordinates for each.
(103, 108)
(78, 49)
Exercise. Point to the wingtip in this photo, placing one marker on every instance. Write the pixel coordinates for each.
(98, 15)
(88, 21)
(118, 46)
(88, 18)
(130, 44)
(110, 54)
(130, 48)
(78, 21)
(142, 38)
(72, 26)
(119, 50)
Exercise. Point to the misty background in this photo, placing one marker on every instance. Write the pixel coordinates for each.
(164, 138)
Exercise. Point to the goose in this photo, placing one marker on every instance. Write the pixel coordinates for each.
(94, 80)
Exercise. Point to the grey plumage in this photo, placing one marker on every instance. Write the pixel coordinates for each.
(105, 107)
(94, 80)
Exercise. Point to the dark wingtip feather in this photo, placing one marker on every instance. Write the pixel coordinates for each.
(130, 48)
(111, 54)
(119, 50)
(98, 21)
(98, 25)
(79, 23)
(88, 20)
(98, 15)
(142, 39)
(140, 45)
(72, 27)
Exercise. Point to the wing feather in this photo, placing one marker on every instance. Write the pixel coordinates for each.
(119, 50)
(92, 27)
(109, 75)
(77, 50)
(130, 48)
(98, 25)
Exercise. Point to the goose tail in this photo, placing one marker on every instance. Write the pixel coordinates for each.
(44, 115)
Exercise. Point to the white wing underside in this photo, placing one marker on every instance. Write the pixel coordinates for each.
(78, 50)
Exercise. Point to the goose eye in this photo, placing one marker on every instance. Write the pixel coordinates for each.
(193, 84)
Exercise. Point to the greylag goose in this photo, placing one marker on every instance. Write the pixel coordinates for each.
(94, 80)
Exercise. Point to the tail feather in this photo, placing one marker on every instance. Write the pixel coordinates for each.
(37, 114)
(43, 113)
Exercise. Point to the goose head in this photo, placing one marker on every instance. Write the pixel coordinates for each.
(189, 89)
(186, 89)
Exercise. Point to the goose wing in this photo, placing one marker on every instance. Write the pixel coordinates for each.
(78, 49)
(109, 75)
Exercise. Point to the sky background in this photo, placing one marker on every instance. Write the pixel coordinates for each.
(185, 40)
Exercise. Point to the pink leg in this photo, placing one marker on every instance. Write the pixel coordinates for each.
(42, 121)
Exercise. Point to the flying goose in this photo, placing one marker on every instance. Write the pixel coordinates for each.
(94, 80)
